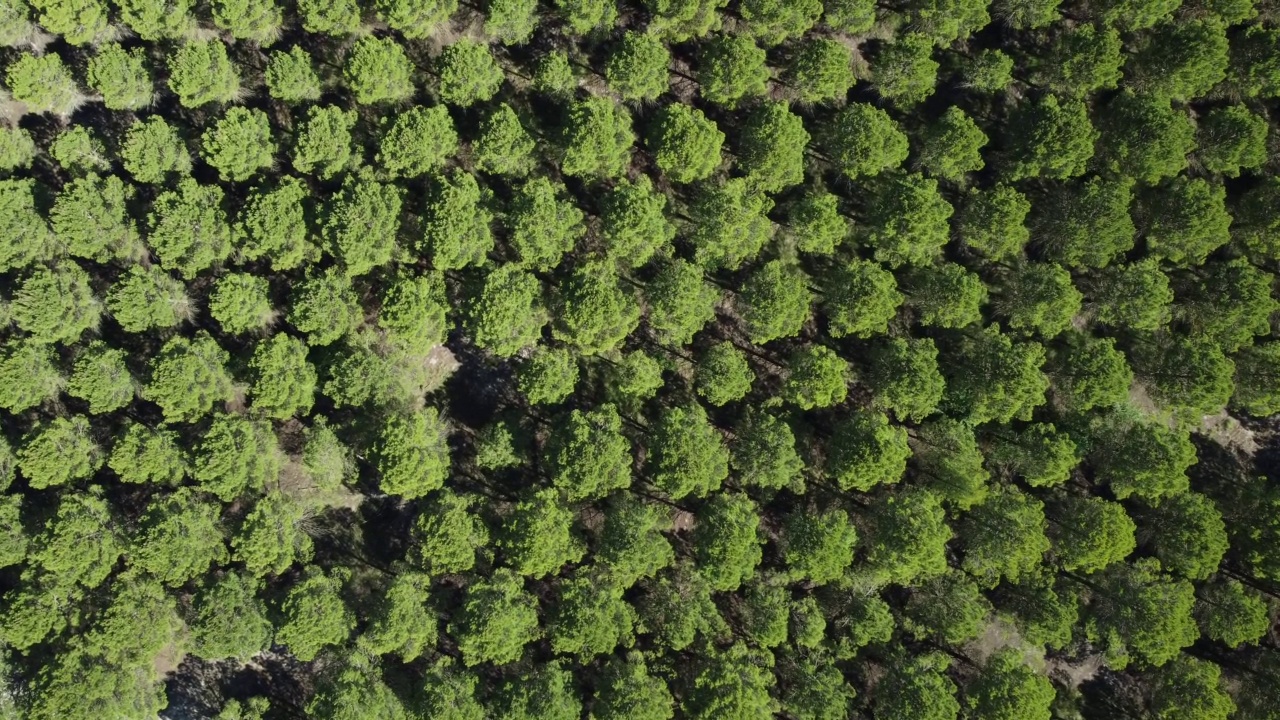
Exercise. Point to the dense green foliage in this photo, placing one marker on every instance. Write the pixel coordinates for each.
(639, 359)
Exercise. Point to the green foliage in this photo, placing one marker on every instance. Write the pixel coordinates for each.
(907, 539)
(1231, 613)
(594, 312)
(1145, 137)
(1189, 687)
(153, 20)
(44, 84)
(120, 77)
(239, 144)
(201, 73)
(680, 301)
(378, 71)
(314, 615)
(948, 456)
(236, 456)
(949, 608)
(992, 378)
(1090, 533)
(1145, 613)
(1181, 60)
(447, 535)
(179, 538)
(1039, 298)
(544, 226)
(774, 301)
(987, 71)
(687, 455)
(771, 147)
(79, 21)
(867, 451)
(918, 688)
(511, 22)
(818, 547)
(1008, 689)
(258, 21)
(637, 68)
(944, 295)
(821, 70)
(17, 149)
(951, 146)
(554, 75)
(774, 22)
(272, 226)
(1087, 224)
(240, 303)
(414, 19)
(419, 141)
(412, 454)
(1084, 60)
(1040, 454)
(78, 151)
(188, 228)
(110, 234)
(291, 77)
(816, 378)
(58, 452)
(627, 689)
(56, 306)
(726, 541)
(187, 377)
(864, 140)
(497, 619)
(324, 306)
(730, 223)
(101, 378)
(456, 222)
(403, 623)
(764, 451)
(322, 144)
(153, 151)
(1135, 296)
(142, 455)
(816, 223)
(909, 221)
(1230, 139)
(1190, 536)
(1257, 380)
(685, 143)
(1051, 138)
(634, 225)
(537, 537)
(146, 298)
(503, 147)
(587, 16)
(860, 300)
(1004, 538)
(468, 73)
(361, 224)
(723, 375)
(508, 314)
(730, 69)
(596, 138)
(1191, 376)
(905, 378)
(283, 382)
(548, 376)
(28, 375)
(591, 618)
(993, 222)
(588, 456)
(905, 72)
